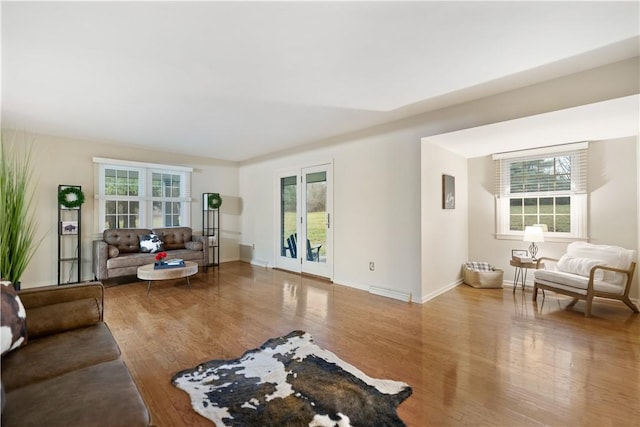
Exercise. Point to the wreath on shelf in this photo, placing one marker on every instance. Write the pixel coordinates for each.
(71, 197)
(214, 201)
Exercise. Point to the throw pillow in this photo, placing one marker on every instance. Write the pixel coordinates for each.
(13, 319)
(113, 251)
(151, 243)
(194, 246)
(580, 266)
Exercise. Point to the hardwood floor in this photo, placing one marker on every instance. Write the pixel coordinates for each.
(472, 356)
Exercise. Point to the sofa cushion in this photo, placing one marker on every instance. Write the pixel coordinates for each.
(151, 243)
(99, 395)
(58, 354)
(613, 256)
(61, 317)
(174, 237)
(13, 319)
(580, 266)
(575, 282)
(125, 239)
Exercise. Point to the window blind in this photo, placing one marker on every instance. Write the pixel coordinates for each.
(557, 170)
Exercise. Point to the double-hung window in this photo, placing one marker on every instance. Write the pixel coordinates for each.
(142, 195)
(546, 186)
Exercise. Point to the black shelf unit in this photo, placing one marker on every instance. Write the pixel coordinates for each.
(69, 239)
(211, 228)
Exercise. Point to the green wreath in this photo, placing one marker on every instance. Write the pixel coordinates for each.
(214, 201)
(71, 197)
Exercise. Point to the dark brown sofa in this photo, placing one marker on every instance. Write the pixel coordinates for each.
(69, 373)
(118, 253)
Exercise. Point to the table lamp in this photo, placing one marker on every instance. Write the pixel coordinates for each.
(534, 235)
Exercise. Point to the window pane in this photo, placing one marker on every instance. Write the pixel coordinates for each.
(156, 185)
(530, 205)
(134, 185)
(548, 220)
(563, 223)
(515, 223)
(515, 206)
(156, 220)
(546, 205)
(110, 207)
(110, 221)
(563, 205)
(110, 182)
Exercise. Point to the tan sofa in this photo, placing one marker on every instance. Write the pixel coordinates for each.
(118, 253)
(69, 372)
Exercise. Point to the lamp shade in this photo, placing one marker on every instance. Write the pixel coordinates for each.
(533, 234)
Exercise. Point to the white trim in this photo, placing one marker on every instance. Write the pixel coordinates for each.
(446, 288)
(390, 293)
(145, 165)
(542, 150)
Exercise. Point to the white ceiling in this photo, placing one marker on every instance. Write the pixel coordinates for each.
(239, 80)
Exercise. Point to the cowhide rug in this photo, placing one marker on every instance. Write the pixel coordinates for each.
(290, 381)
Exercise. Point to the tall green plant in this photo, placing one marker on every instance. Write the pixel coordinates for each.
(17, 225)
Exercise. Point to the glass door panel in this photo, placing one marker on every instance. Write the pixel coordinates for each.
(316, 204)
(288, 214)
(304, 238)
(287, 256)
(316, 220)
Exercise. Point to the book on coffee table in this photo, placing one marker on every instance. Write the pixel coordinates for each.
(171, 263)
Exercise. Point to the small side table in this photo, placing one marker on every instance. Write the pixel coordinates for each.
(520, 274)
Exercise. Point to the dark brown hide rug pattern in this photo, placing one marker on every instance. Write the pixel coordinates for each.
(290, 381)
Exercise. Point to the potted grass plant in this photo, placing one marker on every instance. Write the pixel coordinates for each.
(17, 225)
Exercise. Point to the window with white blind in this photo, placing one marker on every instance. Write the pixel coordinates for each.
(142, 195)
(543, 186)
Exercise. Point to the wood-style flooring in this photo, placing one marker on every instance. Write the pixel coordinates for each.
(474, 357)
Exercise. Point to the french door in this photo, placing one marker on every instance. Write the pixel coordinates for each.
(304, 230)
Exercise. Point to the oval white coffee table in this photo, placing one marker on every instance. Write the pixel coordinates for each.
(147, 272)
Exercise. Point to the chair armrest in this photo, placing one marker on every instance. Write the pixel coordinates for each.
(53, 309)
(606, 267)
(100, 257)
(205, 247)
(539, 260)
(628, 272)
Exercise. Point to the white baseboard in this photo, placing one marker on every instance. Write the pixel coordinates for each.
(442, 290)
(509, 284)
(258, 263)
(391, 293)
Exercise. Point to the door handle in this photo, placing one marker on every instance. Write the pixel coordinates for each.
(328, 220)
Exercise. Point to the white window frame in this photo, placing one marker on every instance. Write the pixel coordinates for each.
(145, 195)
(577, 194)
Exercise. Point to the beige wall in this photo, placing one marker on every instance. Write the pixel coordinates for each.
(378, 195)
(68, 161)
(378, 180)
(613, 215)
(444, 231)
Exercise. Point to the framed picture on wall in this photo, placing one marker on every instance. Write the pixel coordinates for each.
(448, 192)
